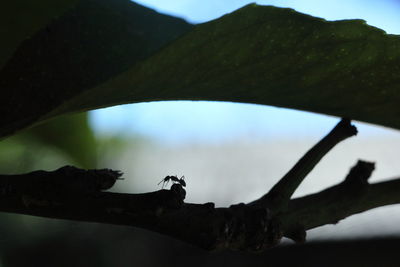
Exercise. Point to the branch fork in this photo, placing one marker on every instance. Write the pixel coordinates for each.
(76, 194)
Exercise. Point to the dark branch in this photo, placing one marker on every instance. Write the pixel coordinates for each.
(279, 196)
(237, 227)
(353, 195)
(75, 194)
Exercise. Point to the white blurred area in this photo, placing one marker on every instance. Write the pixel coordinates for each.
(232, 153)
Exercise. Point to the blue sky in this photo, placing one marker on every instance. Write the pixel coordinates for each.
(381, 13)
(184, 121)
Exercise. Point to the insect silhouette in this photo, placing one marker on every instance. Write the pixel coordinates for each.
(173, 179)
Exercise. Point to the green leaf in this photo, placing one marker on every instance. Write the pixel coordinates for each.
(71, 135)
(258, 54)
(273, 56)
(65, 139)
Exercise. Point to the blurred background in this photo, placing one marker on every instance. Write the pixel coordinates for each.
(228, 153)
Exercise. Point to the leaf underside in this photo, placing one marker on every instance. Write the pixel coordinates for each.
(20, 19)
(257, 54)
(89, 44)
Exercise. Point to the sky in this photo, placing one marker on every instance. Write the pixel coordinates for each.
(176, 122)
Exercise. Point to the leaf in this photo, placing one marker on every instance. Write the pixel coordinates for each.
(65, 139)
(272, 56)
(70, 134)
(94, 41)
(258, 54)
(20, 19)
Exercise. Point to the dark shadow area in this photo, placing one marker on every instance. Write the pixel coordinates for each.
(64, 243)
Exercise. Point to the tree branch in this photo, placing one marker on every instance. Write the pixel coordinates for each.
(353, 195)
(278, 197)
(75, 194)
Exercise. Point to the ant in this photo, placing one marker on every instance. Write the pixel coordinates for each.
(173, 179)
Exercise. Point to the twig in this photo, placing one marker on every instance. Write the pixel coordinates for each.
(278, 197)
(329, 206)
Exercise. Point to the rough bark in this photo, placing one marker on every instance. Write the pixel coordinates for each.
(76, 194)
